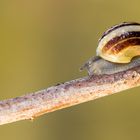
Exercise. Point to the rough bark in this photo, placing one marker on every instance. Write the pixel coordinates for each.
(66, 94)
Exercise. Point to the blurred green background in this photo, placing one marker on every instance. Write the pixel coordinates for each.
(45, 42)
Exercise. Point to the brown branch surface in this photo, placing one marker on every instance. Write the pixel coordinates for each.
(66, 94)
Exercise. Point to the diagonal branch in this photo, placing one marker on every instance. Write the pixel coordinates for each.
(66, 94)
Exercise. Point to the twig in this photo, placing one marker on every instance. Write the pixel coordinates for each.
(66, 94)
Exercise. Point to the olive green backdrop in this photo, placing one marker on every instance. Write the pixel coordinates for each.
(45, 42)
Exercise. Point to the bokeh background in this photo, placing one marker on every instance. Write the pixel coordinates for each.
(45, 42)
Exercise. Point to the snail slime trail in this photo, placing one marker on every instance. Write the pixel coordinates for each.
(118, 50)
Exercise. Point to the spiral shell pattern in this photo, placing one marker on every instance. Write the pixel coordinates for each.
(120, 43)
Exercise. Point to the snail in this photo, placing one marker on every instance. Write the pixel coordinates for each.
(118, 50)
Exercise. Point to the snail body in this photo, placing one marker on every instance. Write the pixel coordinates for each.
(101, 66)
(118, 50)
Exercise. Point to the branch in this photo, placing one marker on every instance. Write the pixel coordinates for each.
(66, 94)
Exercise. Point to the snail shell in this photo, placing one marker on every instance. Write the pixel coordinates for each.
(120, 43)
